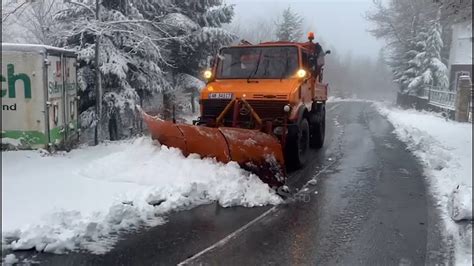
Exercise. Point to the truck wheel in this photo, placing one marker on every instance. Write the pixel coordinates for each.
(318, 129)
(297, 146)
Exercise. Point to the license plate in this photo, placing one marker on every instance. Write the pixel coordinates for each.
(222, 95)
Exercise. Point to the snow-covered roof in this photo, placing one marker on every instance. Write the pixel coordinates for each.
(39, 48)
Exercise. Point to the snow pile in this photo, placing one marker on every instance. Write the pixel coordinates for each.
(82, 199)
(11, 142)
(460, 205)
(10, 259)
(444, 147)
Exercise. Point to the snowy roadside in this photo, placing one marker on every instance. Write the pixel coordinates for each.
(445, 150)
(339, 99)
(82, 199)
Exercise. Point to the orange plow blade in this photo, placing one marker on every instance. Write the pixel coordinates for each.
(253, 150)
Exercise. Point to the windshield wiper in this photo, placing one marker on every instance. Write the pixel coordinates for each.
(256, 67)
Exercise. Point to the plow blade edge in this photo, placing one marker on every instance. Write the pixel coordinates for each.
(253, 150)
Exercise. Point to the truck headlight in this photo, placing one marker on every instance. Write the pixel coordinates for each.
(207, 74)
(301, 73)
(287, 108)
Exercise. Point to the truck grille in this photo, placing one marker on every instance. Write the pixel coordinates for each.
(267, 110)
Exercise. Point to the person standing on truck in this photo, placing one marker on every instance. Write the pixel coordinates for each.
(317, 60)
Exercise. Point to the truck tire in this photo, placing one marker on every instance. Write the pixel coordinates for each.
(318, 128)
(297, 146)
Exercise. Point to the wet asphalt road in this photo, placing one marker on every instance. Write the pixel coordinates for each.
(369, 207)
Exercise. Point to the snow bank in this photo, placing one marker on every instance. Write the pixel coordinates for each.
(10, 259)
(11, 142)
(80, 200)
(352, 99)
(460, 204)
(445, 149)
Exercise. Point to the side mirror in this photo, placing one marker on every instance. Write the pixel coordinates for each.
(328, 52)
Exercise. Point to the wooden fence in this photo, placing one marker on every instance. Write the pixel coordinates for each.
(456, 105)
(442, 99)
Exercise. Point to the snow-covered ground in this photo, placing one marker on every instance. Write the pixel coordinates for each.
(82, 199)
(353, 99)
(445, 149)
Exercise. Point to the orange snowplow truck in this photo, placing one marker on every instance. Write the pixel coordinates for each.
(263, 107)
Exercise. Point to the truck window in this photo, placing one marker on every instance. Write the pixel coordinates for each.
(257, 62)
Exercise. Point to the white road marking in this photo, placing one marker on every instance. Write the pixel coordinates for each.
(333, 107)
(246, 226)
(229, 237)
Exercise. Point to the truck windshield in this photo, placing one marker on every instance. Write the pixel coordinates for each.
(257, 62)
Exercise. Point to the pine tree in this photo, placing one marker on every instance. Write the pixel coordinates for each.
(201, 25)
(415, 41)
(143, 46)
(289, 28)
(430, 70)
(417, 58)
(436, 71)
(398, 64)
(131, 57)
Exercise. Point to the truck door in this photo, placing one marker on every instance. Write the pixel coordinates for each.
(55, 99)
(69, 98)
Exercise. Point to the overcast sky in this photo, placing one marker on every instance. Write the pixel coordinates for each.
(340, 23)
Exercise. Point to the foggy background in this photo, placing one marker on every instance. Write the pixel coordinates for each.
(340, 23)
(356, 66)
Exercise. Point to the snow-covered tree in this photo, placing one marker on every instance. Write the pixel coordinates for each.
(436, 71)
(200, 24)
(412, 80)
(29, 21)
(398, 63)
(429, 68)
(38, 20)
(289, 26)
(415, 40)
(143, 45)
(131, 56)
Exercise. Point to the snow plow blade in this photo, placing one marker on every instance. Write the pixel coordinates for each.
(253, 150)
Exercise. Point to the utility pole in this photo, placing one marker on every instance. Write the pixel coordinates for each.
(98, 80)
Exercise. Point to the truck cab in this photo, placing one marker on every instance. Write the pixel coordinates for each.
(275, 87)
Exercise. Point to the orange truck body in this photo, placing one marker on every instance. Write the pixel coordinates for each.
(251, 125)
(294, 90)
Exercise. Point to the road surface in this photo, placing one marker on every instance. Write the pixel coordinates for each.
(370, 206)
